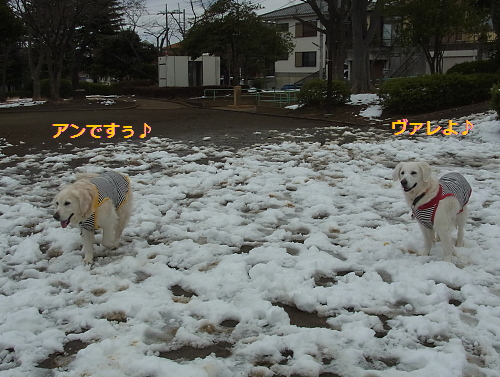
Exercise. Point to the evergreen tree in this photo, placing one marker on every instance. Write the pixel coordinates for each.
(235, 32)
(11, 29)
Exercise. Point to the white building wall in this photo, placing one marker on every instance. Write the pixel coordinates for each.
(174, 70)
(285, 70)
(162, 71)
(450, 58)
(177, 71)
(211, 70)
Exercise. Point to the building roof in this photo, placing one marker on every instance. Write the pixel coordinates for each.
(302, 9)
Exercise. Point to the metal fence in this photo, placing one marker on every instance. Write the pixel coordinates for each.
(274, 98)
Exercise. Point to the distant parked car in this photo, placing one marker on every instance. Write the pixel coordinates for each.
(290, 87)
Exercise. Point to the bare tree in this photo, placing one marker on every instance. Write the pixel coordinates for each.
(159, 32)
(36, 58)
(10, 32)
(53, 23)
(133, 12)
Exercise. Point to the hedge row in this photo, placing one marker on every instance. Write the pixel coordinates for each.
(436, 92)
(313, 93)
(477, 66)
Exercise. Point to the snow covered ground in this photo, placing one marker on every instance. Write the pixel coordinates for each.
(227, 247)
(19, 102)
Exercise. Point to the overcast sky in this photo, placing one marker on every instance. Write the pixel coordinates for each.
(156, 6)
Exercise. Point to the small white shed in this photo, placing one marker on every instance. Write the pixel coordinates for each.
(183, 71)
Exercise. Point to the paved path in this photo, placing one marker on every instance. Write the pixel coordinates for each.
(33, 131)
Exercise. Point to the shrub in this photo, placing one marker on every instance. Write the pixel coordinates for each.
(259, 83)
(495, 99)
(92, 88)
(65, 91)
(19, 93)
(435, 92)
(313, 93)
(126, 87)
(477, 66)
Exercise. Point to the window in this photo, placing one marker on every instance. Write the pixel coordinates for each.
(387, 34)
(282, 27)
(305, 30)
(305, 59)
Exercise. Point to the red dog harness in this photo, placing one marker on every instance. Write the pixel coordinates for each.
(451, 184)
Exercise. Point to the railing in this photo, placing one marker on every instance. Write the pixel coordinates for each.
(406, 65)
(312, 76)
(218, 93)
(279, 98)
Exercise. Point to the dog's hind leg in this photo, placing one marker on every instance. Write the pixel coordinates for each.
(108, 220)
(124, 213)
(443, 229)
(461, 220)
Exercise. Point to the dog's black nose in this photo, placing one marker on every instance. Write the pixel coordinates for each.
(404, 182)
(56, 216)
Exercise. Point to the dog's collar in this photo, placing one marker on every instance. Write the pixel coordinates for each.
(417, 199)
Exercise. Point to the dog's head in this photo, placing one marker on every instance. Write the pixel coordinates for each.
(413, 176)
(73, 204)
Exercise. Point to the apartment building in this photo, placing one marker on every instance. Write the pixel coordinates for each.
(387, 59)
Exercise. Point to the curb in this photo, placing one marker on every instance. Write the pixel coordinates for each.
(19, 109)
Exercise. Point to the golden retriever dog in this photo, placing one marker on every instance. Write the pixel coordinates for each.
(438, 206)
(96, 201)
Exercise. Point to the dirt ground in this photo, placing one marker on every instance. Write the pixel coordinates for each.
(31, 129)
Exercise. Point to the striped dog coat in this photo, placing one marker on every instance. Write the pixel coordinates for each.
(109, 186)
(451, 184)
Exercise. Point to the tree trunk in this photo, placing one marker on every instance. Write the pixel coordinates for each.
(54, 65)
(3, 67)
(333, 27)
(77, 66)
(362, 37)
(35, 69)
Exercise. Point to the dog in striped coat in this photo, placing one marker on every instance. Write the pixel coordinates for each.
(438, 205)
(96, 201)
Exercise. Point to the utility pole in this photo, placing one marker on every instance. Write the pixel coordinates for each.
(180, 23)
(166, 24)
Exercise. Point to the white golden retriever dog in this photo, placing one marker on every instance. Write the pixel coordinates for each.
(96, 201)
(438, 205)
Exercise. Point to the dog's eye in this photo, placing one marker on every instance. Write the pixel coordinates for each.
(402, 172)
(413, 173)
(57, 203)
(67, 203)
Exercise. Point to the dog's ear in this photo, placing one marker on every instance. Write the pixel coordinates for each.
(85, 201)
(426, 171)
(397, 170)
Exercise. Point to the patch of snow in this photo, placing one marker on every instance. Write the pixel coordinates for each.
(318, 227)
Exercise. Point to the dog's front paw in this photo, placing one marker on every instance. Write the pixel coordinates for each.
(88, 260)
(459, 243)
